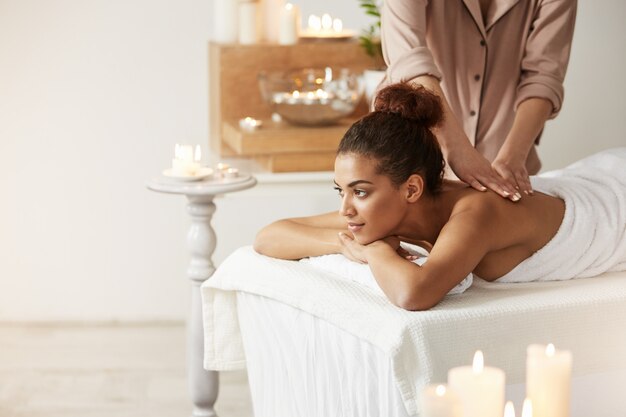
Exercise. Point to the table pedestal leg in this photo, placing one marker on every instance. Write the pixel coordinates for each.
(204, 385)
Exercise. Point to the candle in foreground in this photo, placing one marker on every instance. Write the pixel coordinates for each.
(509, 409)
(439, 401)
(527, 408)
(548, 380)
(480, 388)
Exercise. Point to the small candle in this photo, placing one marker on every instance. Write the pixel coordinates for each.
(439, 401)
(288, 34)
(250, 123)
(324, 27)
(221, 166)
(185, 163)
(480, 388)
(548, 380)
(231, 173)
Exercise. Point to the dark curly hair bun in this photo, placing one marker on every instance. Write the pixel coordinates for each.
(412, 102)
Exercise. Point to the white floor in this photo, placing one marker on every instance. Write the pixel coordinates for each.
(103, 370)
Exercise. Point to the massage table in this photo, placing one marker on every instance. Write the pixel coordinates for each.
(317, 344)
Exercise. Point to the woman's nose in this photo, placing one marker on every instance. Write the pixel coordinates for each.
(346, 208)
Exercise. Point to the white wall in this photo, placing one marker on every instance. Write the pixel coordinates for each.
(93, 95)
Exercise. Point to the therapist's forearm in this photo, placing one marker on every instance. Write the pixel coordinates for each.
(530, 118)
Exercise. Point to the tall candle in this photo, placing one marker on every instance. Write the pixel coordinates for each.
(249, 27)
(271, 19)
(289, 21)
(548, 380)
(480, 388)
(225, 18)
(439, 401)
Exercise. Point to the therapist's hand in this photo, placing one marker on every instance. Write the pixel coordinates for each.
(474, 169)
(513, 169)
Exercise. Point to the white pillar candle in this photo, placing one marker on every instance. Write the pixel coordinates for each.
(289, 21)
(184, 162)
(548, 380)
(527, 408)
(509, 409)
(271, 19)
(439, 401)
(249, 27)
(480, 388)
(225, 20)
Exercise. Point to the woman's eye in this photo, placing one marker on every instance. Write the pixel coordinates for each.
(360, 193)
(339, 191)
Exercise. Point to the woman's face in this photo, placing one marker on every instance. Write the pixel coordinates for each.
(372, 206)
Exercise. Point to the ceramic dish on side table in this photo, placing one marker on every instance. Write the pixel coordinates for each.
(204, 172)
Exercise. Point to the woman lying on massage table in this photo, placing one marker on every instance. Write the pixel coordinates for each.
(389, 176)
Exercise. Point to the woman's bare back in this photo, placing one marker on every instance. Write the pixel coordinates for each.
(517, 230)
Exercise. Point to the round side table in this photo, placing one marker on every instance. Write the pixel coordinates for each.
(201, 240)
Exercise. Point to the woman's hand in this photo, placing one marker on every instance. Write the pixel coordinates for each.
(474, 169)
(357, 252)
(352, 249)
(513, 169)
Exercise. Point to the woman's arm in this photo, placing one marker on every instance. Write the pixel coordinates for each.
(301, 237)
(461, 245)
(529, 121)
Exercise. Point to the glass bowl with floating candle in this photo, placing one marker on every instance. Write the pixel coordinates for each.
(312, 96)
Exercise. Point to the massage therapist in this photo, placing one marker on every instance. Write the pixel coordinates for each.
(498, 66)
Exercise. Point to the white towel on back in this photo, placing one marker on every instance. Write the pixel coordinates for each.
(592, 236)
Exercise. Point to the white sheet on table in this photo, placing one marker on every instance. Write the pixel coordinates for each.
(500, 319)
(300, 365)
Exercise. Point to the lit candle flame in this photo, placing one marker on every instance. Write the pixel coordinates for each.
(440, 390)
(479, 362)
(327, 21)
(337, 25)
(550, 350)
(527, 408)
(288, 6)
(509, 409)
(295, 94)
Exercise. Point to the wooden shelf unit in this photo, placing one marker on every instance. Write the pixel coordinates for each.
(234, 94)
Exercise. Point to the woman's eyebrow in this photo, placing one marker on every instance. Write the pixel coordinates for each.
(353, 183)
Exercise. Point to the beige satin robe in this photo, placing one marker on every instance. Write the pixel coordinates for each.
(486, 68)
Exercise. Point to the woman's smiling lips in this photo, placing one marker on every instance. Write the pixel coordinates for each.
(355, 227)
